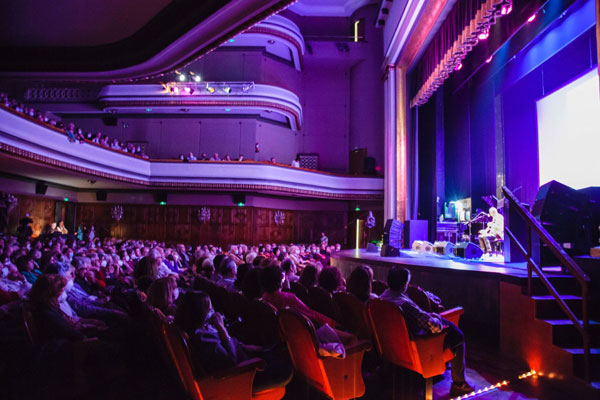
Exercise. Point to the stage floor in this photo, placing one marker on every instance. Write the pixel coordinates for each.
(489, 267)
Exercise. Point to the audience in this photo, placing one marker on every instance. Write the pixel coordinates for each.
(360, 283)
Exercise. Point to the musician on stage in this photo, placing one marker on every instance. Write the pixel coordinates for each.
(493, 231)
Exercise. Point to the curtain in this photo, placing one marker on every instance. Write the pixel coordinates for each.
(456, 37)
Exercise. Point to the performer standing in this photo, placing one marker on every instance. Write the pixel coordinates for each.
(494, 230)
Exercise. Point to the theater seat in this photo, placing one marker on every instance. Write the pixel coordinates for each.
(336, 378)
(259, 324)
(353, 313)
(300, 291)
(231, 384)
(425, 355)
(321, 300)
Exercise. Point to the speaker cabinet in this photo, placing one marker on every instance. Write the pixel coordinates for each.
(467, 250)
(443, 248)
(389, 251)
(414, 229)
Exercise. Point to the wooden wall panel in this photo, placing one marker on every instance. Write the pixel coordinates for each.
(40, 210)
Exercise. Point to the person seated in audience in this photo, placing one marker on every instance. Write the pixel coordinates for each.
(296, 162)
(227, 158)
(331, 279)
(61, 228)
(288, 266)
(207, 269)
(214, 349)
(420, 322)
(98, 138)
(360, 283)
(70, 131)
(12, 281)
(242, 270)
(309, 276)
(272, 160)
(162, 294)
(251, 286)
(227, 272)
(182, 157)
(241, 158)
(27, 268)
(204, 157)
(272, 278)
(215, 157)
(191, 157)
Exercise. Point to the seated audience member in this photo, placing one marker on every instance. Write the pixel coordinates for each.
(360, 283)
(162, 294)
(227, 271)
(288, 266)
(12, 281)
(309, 276)
(242, 270)
(251, 285)
(272, 160)
(61, 228)
(191, 157)
(240, 158)
(331, 279)
(420, 322)
(227, 158)
(296, 162)
(271, 279)
(214, 349)
(207, 268)
(27, 268)
(182, 157)
(215, 157)
(204, 157)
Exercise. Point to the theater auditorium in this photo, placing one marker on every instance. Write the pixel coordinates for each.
(299, 199)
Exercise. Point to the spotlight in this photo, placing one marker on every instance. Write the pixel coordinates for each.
(176, 90)
(187, 90)
(506, 8)
(191, 90)
(210, 89)
(197, 78)
(458, 67)
(530, 19)
(484, 34)
(489, 60)
(227, 89)
(182, 77)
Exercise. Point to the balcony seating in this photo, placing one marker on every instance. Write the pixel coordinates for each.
(337, 378)
(425, 355)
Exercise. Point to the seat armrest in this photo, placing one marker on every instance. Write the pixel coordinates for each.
(252, 364)
(453, 314)
(361, 345)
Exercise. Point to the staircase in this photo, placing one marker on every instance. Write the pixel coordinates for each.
(534, 329)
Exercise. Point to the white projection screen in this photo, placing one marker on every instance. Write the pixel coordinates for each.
(569, 133)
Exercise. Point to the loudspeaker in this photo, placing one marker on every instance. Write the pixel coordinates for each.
(110, 120)
(392, 233)
(101, 195)
(443, 248)
(372, 248)
(40, 188)
(161, 197)
(357, 161)
(414, 229)
(238, 198)
(468, 250)
(422, 246)
(389, 251)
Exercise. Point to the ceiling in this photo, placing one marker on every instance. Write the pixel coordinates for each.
(328, 8)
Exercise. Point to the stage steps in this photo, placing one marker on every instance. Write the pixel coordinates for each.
(538, 330)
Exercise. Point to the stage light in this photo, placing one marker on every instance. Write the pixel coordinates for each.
(191, 90)
(458, 67)
(187, 90)
(489, 60)
(484, 34)
(227, 89)
(182, 77)
(530, 19)
(210, 89)
(197, 78)
(176, 90)
(506, 9)
(163, 203)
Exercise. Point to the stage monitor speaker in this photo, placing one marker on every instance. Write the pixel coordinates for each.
(422, 246)
(468, 250)
(389, 251)
(372, 248)
(40, 188)
(392, 233)
(101, 195)
(238, 199)
(443, 248)
(414, 229)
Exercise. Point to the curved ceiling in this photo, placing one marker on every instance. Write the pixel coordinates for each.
(119, 41)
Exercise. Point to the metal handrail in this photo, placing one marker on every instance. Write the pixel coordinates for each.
(565, 261)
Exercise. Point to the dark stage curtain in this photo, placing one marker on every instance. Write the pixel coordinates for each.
(455, 38)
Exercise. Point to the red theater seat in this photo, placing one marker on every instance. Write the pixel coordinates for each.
(425, 355)
(336, 378)
(353, 314)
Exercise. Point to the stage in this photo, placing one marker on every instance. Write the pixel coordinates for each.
(476, 285)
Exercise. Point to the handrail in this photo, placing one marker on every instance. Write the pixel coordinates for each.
(564, 259)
